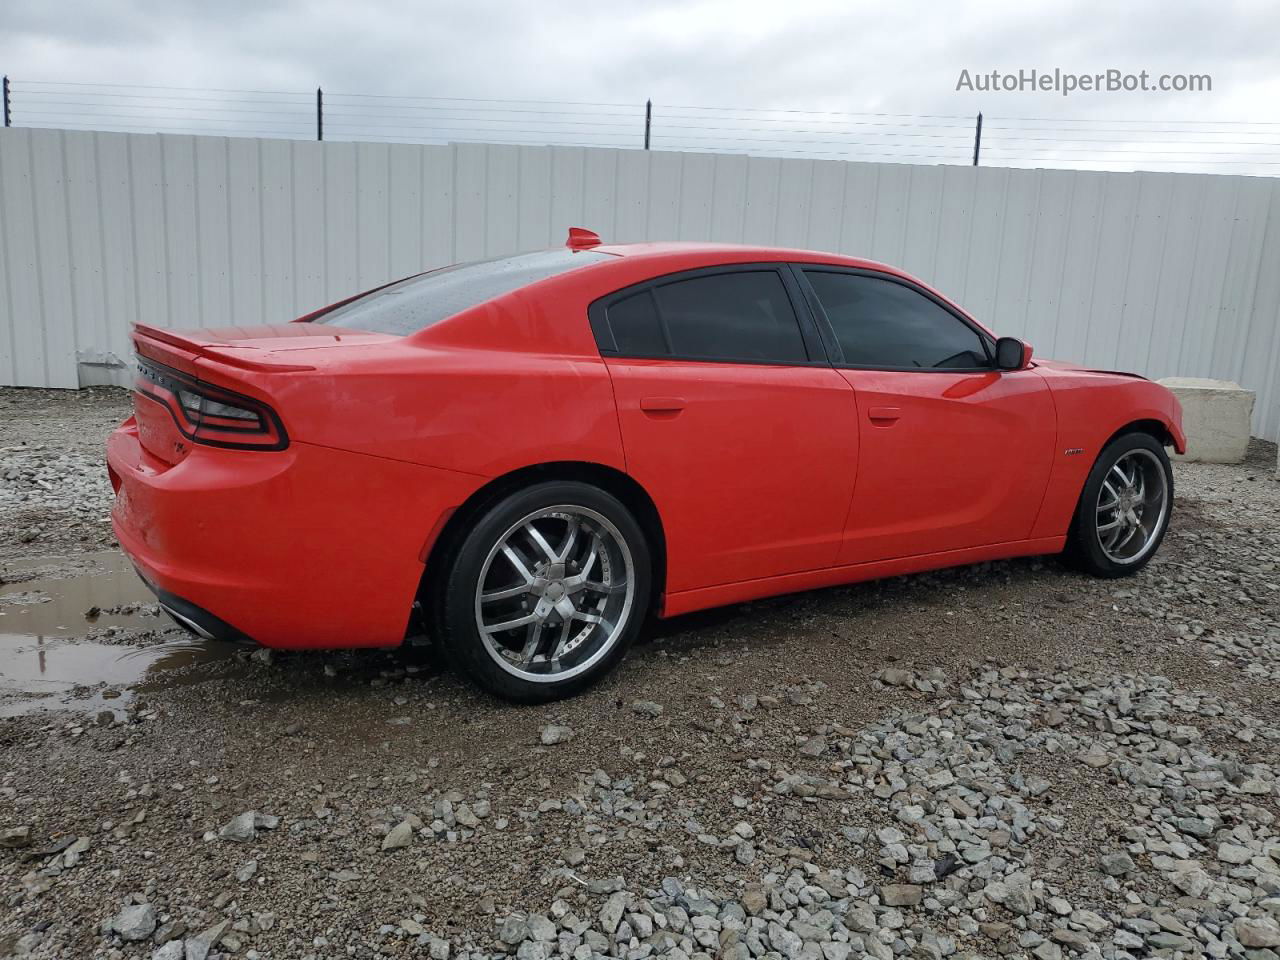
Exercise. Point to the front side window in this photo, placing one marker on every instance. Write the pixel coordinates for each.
(739, 315)
(881, 323)
(418, 302)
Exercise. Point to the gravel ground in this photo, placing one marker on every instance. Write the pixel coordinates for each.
(1003, 760)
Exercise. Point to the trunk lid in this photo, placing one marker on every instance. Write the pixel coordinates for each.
(242, 360)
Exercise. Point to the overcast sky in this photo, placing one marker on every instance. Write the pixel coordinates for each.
(833, 59)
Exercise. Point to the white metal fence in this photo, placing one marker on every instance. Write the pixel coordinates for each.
(1164, 274)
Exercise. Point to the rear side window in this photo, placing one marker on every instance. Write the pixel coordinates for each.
(636, 327)
(418, 302)
(880, 323)
(740, 315)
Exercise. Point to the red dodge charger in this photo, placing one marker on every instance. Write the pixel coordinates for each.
(525, 456)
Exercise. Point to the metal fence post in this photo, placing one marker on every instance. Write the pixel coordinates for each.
(977, 139)
(319, 114)
(6, 102)
(648, 119)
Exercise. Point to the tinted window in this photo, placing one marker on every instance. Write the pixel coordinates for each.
(635, 326)
(880, 323)
(416, 303)
(731, 316)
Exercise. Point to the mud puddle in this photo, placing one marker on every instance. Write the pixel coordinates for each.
(105, 592)
(60, 640)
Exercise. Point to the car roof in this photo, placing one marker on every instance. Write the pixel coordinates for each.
(656, 258)
(735, 253)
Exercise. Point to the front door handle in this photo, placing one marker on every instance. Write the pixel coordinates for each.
(884, 415)
(662, 404)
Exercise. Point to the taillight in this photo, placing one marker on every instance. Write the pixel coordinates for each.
(211, 415)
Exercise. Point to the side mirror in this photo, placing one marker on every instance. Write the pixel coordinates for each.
(1012, 354)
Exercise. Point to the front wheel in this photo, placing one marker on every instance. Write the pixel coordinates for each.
(1124, 508)
(545, 592)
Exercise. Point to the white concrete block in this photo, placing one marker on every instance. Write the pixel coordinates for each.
(1215, 417)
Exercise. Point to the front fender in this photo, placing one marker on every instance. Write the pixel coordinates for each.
(1094, 407)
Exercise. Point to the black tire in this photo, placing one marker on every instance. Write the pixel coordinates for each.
(457, 605)
(1084, 548)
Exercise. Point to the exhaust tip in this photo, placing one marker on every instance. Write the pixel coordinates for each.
(187, 623)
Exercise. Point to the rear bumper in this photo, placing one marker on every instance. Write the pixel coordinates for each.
(308, 547)
(195, 619)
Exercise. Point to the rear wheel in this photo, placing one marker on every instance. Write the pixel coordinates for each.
(545, 592)
(1124, 508)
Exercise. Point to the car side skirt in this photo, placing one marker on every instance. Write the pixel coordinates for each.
(687, 601)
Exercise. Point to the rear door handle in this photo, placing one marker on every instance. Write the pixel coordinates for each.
(885, 415)
(662, 404)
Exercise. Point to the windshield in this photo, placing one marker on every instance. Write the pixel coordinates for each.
(416, 303)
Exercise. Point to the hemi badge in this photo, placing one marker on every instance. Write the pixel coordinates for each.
(1072, 451)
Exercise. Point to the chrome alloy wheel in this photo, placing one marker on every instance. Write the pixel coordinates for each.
(1133, 504)
(555, 593)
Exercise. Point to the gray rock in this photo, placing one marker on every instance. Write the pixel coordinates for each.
(1074, 939)
(1017, 898)
(1234, 853)
(893, 677)
(1194, 883)
(540, 928)
(786, 942)
(240, 828)
(27, 943)
(814, 747)
(1117, 864)
(900, 894)
(173, 950)
(1257, 934)
(71, 856)
(1165, 940)
(861, 918)
(514, 930)
(611, 912)
(553, 734)
(754, 899)
(173, 930)
(13, 837)
(1195, 827)
(135, 922)
(401, 835)
(198, 947)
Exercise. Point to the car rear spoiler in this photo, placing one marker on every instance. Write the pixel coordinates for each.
(190, 346)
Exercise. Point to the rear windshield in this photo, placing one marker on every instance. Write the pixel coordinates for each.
(416, 303)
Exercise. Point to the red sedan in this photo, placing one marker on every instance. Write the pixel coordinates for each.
(527, 455)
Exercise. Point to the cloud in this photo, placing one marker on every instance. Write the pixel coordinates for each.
(812, 56)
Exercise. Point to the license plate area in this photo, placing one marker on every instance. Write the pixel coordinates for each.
(157, 432)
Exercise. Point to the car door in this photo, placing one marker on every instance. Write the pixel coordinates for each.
(953, 452)
(733, 420)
